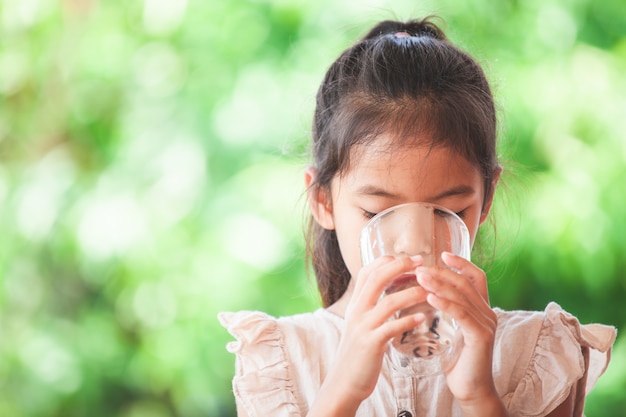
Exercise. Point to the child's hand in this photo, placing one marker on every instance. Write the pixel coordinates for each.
(368, 328)
(464, 297)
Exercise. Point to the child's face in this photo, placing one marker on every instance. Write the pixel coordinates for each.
(382, 176)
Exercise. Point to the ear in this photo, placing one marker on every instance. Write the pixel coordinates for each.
(319, 200)
(489, 199)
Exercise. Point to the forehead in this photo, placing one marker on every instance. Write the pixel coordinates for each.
(409, 167)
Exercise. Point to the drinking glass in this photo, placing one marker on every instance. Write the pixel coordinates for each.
(428, 230)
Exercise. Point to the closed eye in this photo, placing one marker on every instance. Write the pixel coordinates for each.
(461, 213)
(368, 214)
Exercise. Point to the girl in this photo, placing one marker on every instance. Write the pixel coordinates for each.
(405, 116)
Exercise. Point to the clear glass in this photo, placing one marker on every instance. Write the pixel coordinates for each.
(427, 230)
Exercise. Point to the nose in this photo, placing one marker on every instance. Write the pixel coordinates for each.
(415, 236)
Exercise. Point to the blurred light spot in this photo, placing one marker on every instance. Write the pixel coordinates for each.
(18, 15)
(111, 225)
(273, 186)
(181, 171)
(159, 70)
(23, 287)
(36, 211)
(39, 200)
(13, 71)
(230, 283)
(547, 228)
(244, 30)
(163, 16)
(556, 27)
(27, 11)
(52, 363)
(111, 66)
(592, 77)
(568, 205)
(148, 130)
(254, 240)
(154, 305)
(255, 111)
(171, 344)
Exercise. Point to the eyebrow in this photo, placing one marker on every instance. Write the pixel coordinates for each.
(460, 190)
(372, 190)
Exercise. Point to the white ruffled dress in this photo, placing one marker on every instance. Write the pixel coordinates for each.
(538, 358)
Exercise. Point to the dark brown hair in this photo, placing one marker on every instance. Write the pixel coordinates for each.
(408, 80)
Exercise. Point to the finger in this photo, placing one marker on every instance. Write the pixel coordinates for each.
(401, 301)
(458, 292)
(377, 279)
(478, 327)
(393, 328)
(451, 285)
(365, 272)
(466, 268)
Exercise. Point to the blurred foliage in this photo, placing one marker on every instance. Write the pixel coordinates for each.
(150, 176)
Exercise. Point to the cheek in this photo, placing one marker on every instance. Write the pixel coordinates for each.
(348, 236)
(472, 220)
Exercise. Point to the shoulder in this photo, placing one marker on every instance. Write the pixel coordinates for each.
(255, 327)
(280, 362)
(541, 355)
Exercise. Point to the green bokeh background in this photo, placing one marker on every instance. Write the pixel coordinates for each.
(151, 157)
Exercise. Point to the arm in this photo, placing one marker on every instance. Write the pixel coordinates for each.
(330, 403)
(358, 362)
(470, 379)
(461, 291)
(492, 407)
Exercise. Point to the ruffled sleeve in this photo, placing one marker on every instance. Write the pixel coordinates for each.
(552, 353)
(262, 384)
